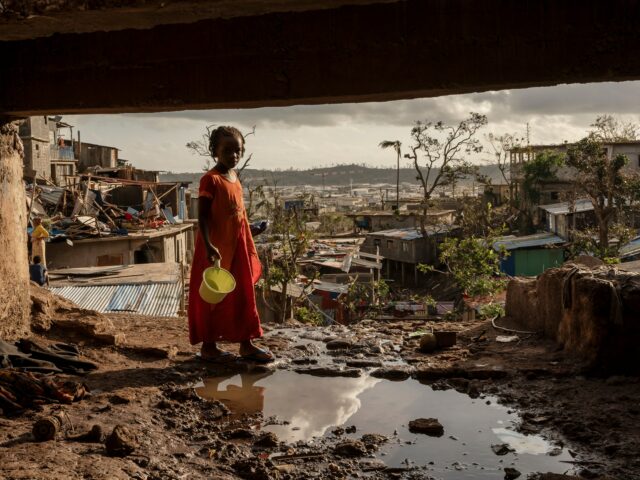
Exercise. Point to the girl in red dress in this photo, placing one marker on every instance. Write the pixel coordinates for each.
(224, 234)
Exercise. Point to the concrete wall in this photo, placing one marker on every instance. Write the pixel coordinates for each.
(14, 273)
(34, 132)
(91, 155)
(593, 314)
(120, 251)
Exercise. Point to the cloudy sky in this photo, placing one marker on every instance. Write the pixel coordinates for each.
(322, 135)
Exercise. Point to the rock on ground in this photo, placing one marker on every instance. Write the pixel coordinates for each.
(428, 426)
(121, 442)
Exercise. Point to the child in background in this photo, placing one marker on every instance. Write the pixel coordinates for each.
(38, 237)
(225, 235)
(38, 272)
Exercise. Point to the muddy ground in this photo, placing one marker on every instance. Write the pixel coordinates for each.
(145, 384)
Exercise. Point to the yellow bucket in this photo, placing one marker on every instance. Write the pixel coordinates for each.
(216, 284)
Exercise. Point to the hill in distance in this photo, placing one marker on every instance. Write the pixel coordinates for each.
(338, 175)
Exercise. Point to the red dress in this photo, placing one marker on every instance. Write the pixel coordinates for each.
(235, 318)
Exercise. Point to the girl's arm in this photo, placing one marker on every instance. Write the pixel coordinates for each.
(204, 223)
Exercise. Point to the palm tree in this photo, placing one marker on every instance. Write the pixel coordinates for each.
(396, 145)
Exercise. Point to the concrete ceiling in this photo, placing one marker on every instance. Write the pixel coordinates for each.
(28, 19)
(228, 54)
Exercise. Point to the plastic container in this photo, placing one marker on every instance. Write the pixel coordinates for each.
(216, 284)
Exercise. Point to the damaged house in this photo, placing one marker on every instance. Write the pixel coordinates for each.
(405, 248)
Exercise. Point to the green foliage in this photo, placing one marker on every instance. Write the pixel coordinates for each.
(308, 315)
(611, 260)
(585, 242)
(610, 189)
(288, 241)
(334, 223)
(472, 260)
(491, 310)
(425, 299)
(474, 264)
(481, 219)
(538, 171)
(365, 298)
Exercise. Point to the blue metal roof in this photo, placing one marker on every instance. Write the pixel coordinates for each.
(537, 240)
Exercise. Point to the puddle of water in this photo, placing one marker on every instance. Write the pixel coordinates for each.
(312, 406)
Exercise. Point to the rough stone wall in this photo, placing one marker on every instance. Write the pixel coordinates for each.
(14, 271)
(593, 313)
(522, 302)
(549, 301)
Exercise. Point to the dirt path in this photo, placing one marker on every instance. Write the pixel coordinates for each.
(145, 385)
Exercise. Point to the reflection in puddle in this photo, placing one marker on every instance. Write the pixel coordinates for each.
(532, 444)
(313, 405)
(310, 404)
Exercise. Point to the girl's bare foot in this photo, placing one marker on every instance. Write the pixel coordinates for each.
(211, 351)
(249, 351)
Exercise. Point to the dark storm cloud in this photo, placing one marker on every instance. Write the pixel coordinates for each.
(578, 100)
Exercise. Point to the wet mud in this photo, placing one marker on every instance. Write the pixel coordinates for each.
(335, 410)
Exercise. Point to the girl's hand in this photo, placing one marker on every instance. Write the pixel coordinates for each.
(213, 254)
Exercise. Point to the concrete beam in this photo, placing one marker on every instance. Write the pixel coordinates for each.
(385, 51)
(28, 19)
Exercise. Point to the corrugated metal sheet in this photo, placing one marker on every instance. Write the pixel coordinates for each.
(152, 299)
(51, 195)
(537, 240)
(630, 249)
(582, 205)
(413, 233)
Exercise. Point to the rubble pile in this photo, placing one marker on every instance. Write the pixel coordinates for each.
(91, 208)
(20, 391)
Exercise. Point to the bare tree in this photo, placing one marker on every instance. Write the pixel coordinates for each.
(397, 146)
(608, 128)
(438, 152)
(502, 146)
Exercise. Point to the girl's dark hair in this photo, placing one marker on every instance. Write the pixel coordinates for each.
(223, 131)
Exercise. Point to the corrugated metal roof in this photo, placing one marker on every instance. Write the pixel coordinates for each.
(330, 287)
(152, 299)
(582, 205)
(412, 233)
(536, 240)
(630, 249)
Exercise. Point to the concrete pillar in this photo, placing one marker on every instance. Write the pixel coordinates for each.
(14, 264)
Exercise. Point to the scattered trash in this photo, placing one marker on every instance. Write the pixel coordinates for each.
(47, 428)
(507, 338)
(23, 390)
